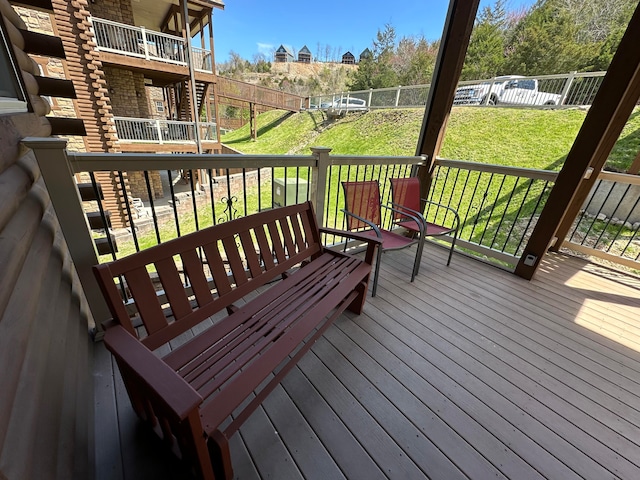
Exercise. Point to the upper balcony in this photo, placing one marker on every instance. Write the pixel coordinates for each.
(140, 49)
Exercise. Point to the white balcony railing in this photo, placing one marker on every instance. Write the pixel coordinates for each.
(139, 42)
(145, 130)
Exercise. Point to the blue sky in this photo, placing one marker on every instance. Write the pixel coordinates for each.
(249, 26)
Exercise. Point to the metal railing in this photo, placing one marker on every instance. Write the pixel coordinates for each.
(498, 206)
(608, 225)
(564, 90)
(139, 42)
(145, 130)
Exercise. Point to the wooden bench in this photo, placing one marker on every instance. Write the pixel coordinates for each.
(196, 395)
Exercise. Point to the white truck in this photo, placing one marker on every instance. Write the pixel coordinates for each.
(506, 90)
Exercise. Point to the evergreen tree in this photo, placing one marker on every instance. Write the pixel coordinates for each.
(485, 55)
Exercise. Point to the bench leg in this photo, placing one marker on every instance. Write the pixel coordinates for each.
(220, 456)
(358, 303)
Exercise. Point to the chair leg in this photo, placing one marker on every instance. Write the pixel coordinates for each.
(453, 244)
(377, 272)
(419, 255)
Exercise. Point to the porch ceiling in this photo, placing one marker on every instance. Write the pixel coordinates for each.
(151, 13)
(469, 372)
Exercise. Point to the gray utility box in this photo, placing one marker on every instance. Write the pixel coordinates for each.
(285, 194)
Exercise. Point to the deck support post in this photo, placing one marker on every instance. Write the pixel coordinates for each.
(58, 177)
(611, 108)
(318, 186)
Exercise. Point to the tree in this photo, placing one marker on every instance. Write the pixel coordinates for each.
(544, 42)
(377, 71)
(485, 55)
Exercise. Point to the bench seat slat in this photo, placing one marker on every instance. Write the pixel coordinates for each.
(286, 316)
(144, 293)
(254, 326)
(173, 287)
(178, 358)
(193, 268)
(236, 390)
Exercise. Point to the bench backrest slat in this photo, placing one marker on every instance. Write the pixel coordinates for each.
(276, 242)
(197, 279)
(235, 262)
(173, 287)
(263, 243)
(252, 253)
(216, 265)
(143, 291)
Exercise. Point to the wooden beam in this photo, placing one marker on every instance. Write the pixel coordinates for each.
(602, 126)
(44, 5)
(453, 48)
(634, 169)
(42, 44)
(66, 126)
(55, 87)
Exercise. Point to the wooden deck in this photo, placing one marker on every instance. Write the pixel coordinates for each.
(470, 372)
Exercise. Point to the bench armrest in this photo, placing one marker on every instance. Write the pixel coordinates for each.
(157, 378)
(354, 235)
(372, 242)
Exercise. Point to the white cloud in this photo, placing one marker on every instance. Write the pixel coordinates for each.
(265, 48)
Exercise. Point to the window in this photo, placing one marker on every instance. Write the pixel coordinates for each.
(159, 106)
(12, 96)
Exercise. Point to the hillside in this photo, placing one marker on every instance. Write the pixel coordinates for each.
(303, 78)
(528, 138)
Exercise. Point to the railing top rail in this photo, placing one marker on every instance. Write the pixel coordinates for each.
(547, 175)
(94, 162)
(375, 160)
(620, 178)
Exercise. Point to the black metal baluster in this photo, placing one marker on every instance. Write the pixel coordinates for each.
(152, 205)
(174, 203)
(128, 207)
(493, 207)
(505, 212)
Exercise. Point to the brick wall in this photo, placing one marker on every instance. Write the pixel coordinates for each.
(138, 185)
(114, 10)
(127, 93)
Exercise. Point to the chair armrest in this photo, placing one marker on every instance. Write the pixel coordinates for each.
(373, 226)
(158, 378)
(407, 212)
(452, 210)
(354, 235)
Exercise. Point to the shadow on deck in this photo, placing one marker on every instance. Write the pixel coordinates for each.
(469, 372)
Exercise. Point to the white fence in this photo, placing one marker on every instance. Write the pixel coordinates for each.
(566, 90)
(145, 130)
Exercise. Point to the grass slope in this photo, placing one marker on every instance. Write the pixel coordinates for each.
(506, 136)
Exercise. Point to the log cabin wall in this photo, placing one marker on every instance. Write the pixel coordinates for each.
(93, 104)
(46, 400)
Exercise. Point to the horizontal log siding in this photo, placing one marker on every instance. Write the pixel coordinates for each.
(46, 412)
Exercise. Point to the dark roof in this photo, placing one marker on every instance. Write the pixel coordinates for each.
(305, 50)
(283, 49)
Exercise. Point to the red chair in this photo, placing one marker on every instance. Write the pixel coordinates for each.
(405, 193)
(364, 214)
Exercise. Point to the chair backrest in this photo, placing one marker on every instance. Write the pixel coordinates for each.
(362, 199)
(406, 193)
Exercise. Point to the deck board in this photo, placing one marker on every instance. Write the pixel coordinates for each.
(468, 372)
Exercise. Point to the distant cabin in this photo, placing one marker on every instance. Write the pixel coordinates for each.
(283, 54)
(348, 59)
(366, 53)
(304, 55)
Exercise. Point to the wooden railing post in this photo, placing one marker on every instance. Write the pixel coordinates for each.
(58, 177)
(318, 187)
